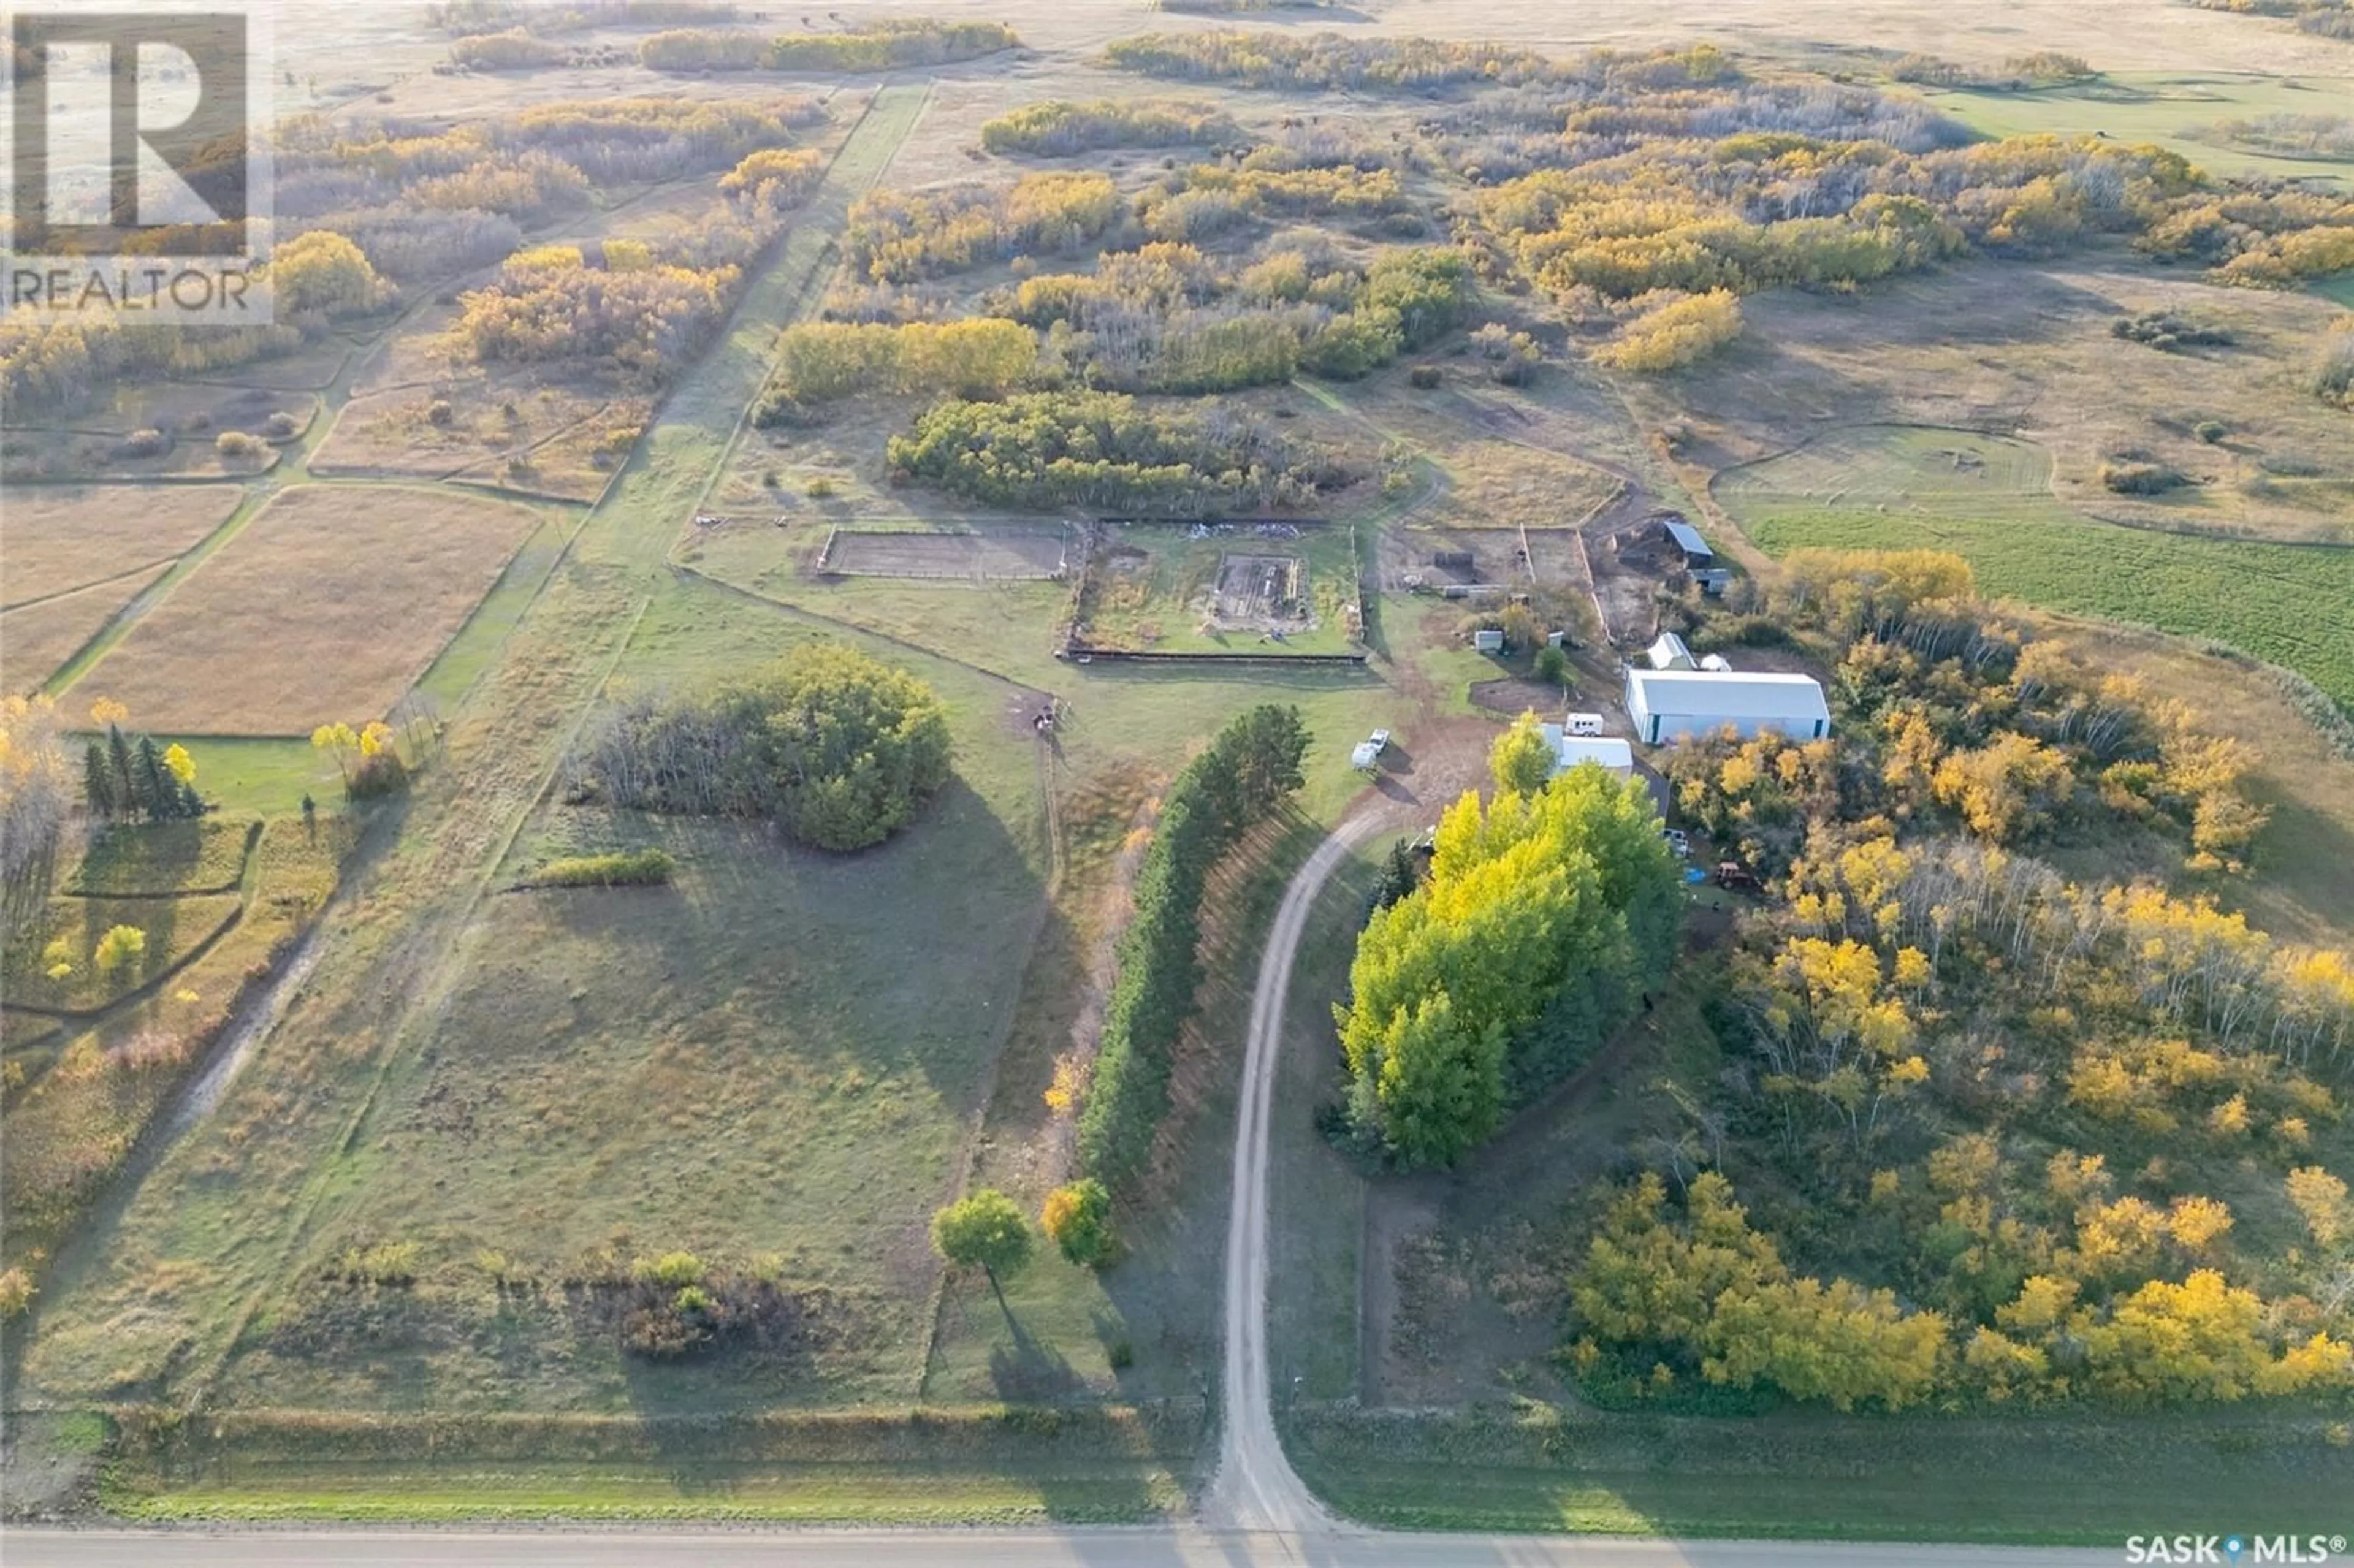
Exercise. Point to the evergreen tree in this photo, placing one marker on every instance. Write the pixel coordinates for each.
(98, 781)
(158, 791)
(126, 788)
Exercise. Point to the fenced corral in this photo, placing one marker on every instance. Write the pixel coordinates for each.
(996, 555)
(1258, 587)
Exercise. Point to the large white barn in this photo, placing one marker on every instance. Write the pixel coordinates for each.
(1665, 705)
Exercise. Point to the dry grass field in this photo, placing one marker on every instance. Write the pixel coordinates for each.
(2029, 352)
(36, 639)
(329, 604)
(70, 536)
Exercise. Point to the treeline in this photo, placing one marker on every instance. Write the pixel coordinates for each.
(1248, 773)
(427, 202)
(35, 805)
(56, 366)
(1107, 452)
(466, 18)
(886, 44)
(2324, 19)
(1326, 61)
(2291, 135)
(1062, 126)
(897, 237)
(641, 306)
(2020, 73)
(1744, 187)
(1545, 917)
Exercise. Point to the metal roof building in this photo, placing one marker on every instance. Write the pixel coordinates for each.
(1666, 705)
(1669, 652)
(1568, 750)
(1686, 538)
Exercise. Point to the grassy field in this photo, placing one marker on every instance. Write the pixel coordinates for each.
(62, 537)
(2061, 1482)
(2177, 110)
(327, 606)
(37, 641)
(1901, 488)
(963, 1466)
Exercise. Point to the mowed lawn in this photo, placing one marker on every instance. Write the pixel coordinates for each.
(326, 605)
(1980, 496)
(775, 1062)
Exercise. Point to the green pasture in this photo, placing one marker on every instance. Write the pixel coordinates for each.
(2175, 111)
(1889, 487)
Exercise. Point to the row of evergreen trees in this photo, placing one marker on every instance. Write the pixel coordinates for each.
(124, 779)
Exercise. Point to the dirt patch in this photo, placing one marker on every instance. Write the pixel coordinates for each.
(1003, 556)
(1513, 696)
(325, 608)
(68, 537)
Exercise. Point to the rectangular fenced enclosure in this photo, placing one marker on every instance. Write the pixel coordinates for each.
(1258, 587)
(1000, 555)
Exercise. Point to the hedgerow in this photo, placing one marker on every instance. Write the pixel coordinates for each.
(1249, 770)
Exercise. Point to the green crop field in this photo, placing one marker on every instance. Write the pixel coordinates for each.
(1890, 487)
(2177, 111)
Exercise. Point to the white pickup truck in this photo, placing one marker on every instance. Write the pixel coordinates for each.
(1368, 750)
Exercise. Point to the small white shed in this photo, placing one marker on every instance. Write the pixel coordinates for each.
(1665, 705)
(1488, 642)
(1669, 652)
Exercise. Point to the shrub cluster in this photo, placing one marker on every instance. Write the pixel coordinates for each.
(823, 361)
(839, 751)
(1248, 772)
(898, 236)
(2168, 331)
(1676, 332)
(625, 868)
(1062, 126)
(2128, 476)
